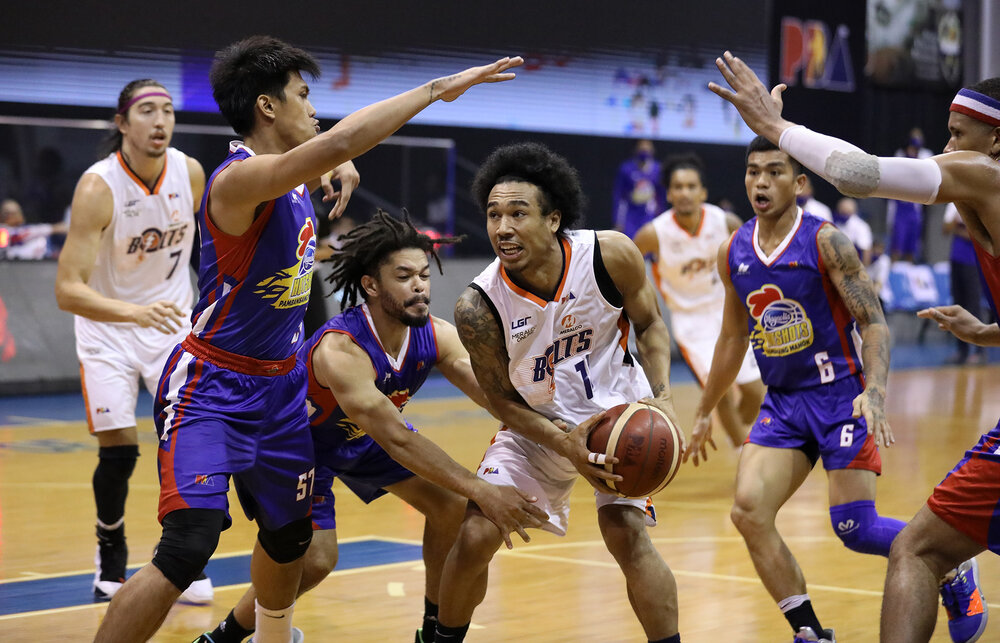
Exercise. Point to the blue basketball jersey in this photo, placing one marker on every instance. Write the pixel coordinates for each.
(253, 288)
(801, 332)
(399, 381)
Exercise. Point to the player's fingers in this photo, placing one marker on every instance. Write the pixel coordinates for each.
(331, 196)
(777, 90)
(536, 514)
(857, 404)
(724, 68)
(712, 442)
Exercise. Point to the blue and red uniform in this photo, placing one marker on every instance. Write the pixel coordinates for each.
(806, 345)
(343, 450)
(968, 498)
(231, 400)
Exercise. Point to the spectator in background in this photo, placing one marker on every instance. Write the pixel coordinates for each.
(966, 289)
(878, 270)
(906, 220)
(19, 240)
(808, 202)
(639, 193)
(855, 228)
(50, 190)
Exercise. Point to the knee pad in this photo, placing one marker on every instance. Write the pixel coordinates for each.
(861, 529)
(289, 543)
(116, 463)
(189, 539)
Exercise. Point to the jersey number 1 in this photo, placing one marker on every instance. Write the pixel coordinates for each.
(581, 367)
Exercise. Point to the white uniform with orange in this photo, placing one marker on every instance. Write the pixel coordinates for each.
(143, 257)
(569, 359)
(687, 276)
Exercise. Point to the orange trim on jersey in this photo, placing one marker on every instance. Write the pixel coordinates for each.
(690, 365)
(533, 298)
(140, 182)
(86, 401)
(625, 328)
(701, 223)
(655, 269)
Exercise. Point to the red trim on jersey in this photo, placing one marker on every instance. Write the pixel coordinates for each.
(701, 223)
(86, 402)
(535, 299)
(437, 349)
(842, 317)
(161, 389)
(791, 238)
(137, 180)
(170, 497)
(234, 362)
(868, 458)
(990, 266)
(322, 391)
(379, 342)
(729, 249)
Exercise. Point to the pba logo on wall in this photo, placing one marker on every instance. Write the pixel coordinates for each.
(817, 55)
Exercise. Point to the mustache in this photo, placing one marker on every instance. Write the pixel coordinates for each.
(419, 299)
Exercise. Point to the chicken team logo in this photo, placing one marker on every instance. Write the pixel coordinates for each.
(290, 287)
(781, 325)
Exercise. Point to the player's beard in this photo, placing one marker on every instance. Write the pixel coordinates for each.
(399, 310)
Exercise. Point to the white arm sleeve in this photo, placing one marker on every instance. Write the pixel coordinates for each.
(862, 175)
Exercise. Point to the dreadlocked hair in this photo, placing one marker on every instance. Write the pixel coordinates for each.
(365, 248)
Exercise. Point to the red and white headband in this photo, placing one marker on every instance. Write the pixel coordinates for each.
(978, 106)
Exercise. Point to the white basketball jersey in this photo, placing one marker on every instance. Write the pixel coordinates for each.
(569, 356)
(686, 268)
(144, 252)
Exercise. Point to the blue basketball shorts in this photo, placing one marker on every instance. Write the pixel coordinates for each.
(818, 421)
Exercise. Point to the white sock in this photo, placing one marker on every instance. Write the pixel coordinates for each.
(273, 626)
(792, 602)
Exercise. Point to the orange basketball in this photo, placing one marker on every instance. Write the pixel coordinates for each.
(646, 443)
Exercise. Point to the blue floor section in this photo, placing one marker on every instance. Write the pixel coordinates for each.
(68, 591)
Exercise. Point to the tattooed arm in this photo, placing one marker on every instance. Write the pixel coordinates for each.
(480, 332)
(856, 290)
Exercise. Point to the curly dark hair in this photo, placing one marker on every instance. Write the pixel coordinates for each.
(533, 163)
(253, 66)
(364, 249)
(689, 161)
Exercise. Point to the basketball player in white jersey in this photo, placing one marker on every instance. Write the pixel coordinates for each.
(683, 243)
(546, 326)
(123, 272)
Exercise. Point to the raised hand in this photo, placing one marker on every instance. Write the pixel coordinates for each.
(349, 179)
(760, 109)
(448, 88)
(956, 320)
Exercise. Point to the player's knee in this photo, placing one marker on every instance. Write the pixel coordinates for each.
(745, 516)
(116, 464)
(860, 528)
(322, 557)
(189, 539)
(478, 539)
(289, 543)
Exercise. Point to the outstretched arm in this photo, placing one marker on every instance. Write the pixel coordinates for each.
(726, 360)
(243, 186)
(963, 325)
(343, 367)
(967, 177)
(857, 291)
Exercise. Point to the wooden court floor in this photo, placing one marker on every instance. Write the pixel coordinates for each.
(553, 589)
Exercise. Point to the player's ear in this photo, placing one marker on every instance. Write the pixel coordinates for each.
(120, 122)
(370, 285)
(555, 218)
(995, 144)
(800, 183)
(265, 106)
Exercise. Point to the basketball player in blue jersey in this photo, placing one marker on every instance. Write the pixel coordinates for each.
(960, 519)
(231, 400)
(358, 432)
(546, 326)
(794, 288)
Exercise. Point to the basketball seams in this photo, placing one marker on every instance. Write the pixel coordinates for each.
(614, 436)
(674, 464)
